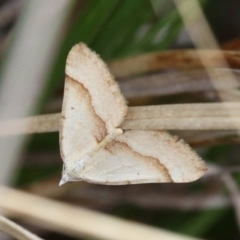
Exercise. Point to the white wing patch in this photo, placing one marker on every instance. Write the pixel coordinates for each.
(95, 150)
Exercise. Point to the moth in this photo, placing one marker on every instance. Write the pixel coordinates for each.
(93, 146)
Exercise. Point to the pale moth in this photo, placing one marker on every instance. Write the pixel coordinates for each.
(95, 149)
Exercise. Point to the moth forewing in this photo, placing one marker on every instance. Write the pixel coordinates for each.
(86, 67)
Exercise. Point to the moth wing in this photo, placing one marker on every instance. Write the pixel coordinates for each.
(144, 157)
(92, 104)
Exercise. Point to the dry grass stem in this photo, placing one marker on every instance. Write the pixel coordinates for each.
(197, 123)
(173, 59)
(36, 124)
(172, 83)
(208, 116)
(195, 110)
(213, 116)
(17, 100)
(16, 231)
(209, 73)
(161, 84)
(203, 38)
(76, 221)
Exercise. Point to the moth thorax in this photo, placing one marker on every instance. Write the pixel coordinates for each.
(112, 135)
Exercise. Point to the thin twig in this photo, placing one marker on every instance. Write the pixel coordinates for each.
(76, 221)
(16, 231)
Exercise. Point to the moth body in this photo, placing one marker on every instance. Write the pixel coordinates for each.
(92, 146)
